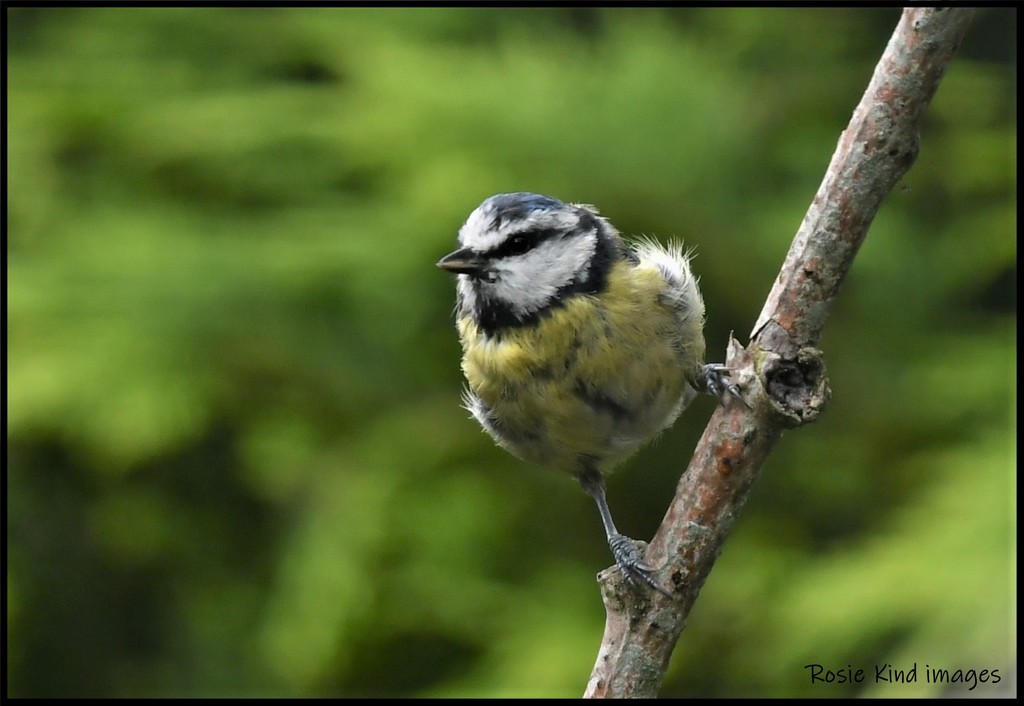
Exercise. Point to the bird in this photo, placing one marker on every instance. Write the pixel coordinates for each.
(578, 347)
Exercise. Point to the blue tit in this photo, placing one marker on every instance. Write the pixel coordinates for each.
(578, 348)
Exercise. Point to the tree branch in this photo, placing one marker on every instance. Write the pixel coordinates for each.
(781, 374)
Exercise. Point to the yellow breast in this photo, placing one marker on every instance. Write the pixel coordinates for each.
(596, 378)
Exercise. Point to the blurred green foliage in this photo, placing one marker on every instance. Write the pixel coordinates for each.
(237, 464)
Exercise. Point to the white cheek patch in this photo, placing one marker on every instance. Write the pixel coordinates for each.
(530, 281)
(467, 295)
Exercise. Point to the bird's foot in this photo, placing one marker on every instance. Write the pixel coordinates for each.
(632, 565)
(716, 382)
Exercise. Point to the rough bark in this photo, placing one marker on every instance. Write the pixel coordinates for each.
(781, 373)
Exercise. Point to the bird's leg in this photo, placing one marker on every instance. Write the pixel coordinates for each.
(624, 549)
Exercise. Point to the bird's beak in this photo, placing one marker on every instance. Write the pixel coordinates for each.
(463, 261)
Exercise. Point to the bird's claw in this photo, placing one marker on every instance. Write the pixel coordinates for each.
(717, 382)
(632, 566)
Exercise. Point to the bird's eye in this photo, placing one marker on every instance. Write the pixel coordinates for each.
(517, 244)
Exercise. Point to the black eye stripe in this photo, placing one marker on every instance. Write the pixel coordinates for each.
(519, 243)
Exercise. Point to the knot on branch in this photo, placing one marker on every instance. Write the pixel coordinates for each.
(796, 388)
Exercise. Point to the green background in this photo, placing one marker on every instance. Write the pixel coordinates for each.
(237, 464)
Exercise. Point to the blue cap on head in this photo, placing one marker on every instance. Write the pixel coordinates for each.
(516, 206)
